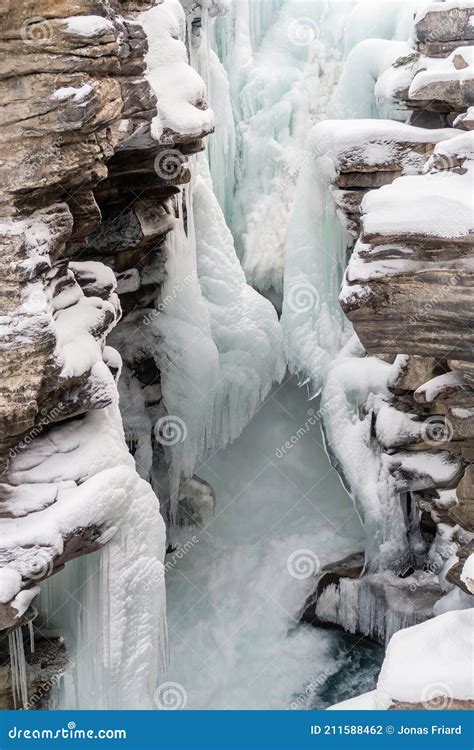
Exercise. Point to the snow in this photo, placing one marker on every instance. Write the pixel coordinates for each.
(437, 204)
(77, 93)
(438, 8)
(434, 70)
(105, 492)
(10, 582)
(88, 26)
(77, 349)
(364, 87)
(179, 89)
(355, 385)
(372, 142)
(430, 390)
(465, 116)
(460, 147)
(442, 650)
(364, 702)
(467, 574)
(92, 483)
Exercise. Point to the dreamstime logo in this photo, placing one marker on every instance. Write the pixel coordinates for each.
(48, 417)
(303, 297)
(436, 430)
(170, 430)
(37, 301)
(45, 687)
(169, 164)
(311, 421)
(302, 699)
(323, 147)
(171, 561)
(437, 696)
(36, 31)
(303, 563)
(169, 298)
(436, 298)
(302, 31)
(42, 566)
(455, 17)
(441, 163)
(170, 696)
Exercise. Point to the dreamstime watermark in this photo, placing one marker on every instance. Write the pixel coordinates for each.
(171, 561)
(35, 161)
(314, 417)
(455, 17)
(37, 301)
(302, 564)
(431, 569)
(439, 162)
(437, 696)
(170, 430)
(311, 421)
(169, 164)
(41, 566)
(437, 430)
(301, 700)
(49, 416)
(169, 298)
(434, 301)
(37, 31)
(70, 732)
(44, 689)
(303, 31)
(170, 696)
(302, 297)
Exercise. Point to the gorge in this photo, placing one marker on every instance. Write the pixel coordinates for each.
(236, 362)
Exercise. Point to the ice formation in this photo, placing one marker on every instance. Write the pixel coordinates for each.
(112, 636)
(283, 181)
(282, 59)
(222, 343)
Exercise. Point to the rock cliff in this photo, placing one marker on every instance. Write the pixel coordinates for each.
(403, 191)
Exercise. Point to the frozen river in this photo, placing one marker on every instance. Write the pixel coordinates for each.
(233, 599)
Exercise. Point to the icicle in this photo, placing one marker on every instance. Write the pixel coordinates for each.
(32, 637)
(18, 669)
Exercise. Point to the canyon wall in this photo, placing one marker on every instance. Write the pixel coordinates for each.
(398, 412)
(90, 175)
(132, 345)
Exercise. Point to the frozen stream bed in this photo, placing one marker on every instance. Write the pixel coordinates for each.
(234, 597)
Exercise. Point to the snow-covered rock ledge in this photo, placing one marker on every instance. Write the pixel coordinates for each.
(385, 225)
(68, 485)
(428, 666)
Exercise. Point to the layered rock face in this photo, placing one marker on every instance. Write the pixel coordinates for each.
(78, 230)
(404, 193)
